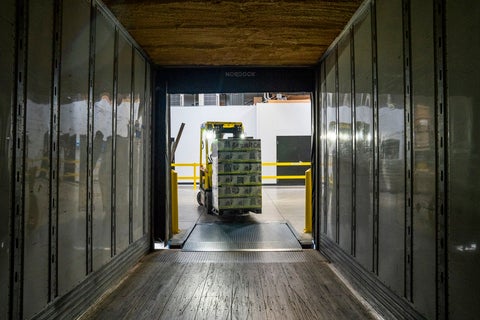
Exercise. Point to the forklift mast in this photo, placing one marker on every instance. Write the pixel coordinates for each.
(209, 131)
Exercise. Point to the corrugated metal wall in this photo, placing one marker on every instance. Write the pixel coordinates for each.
(463, 161)
(397, 117)
(396, 189)
(7, 83)
(76, 141)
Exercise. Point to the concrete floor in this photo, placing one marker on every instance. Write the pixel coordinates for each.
(279, 204)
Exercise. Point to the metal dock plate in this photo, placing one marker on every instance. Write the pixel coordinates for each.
(242, 237)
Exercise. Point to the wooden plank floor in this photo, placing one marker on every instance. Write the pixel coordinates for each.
(171, 284)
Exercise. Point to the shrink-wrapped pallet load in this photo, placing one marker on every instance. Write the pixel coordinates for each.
(237, 175)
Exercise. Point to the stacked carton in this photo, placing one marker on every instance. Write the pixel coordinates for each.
(237, 175)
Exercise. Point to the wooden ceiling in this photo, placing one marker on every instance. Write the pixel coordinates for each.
(234, 33)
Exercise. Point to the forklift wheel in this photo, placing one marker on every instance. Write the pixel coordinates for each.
(208, 209)
(199, 199)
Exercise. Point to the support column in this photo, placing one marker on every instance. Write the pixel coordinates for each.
(441, 159)
(375, 139)
(16, 284)
(408, 153)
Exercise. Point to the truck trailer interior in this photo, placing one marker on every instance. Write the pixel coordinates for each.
(87, 194)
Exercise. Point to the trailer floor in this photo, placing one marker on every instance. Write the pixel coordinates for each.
(172, 284)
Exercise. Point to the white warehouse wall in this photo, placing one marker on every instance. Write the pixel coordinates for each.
(280, 119)
(188, 149)
(264, 121)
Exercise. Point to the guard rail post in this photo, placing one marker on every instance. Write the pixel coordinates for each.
(308, 201)
(174, 192)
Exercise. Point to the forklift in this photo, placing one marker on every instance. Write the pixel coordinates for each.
(230, 169)
(209, 131)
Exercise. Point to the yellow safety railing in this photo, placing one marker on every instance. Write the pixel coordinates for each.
(285, 164)
(194, 177)
(195, 165)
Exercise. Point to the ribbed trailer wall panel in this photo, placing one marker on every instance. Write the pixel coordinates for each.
(461, 110)
(411, 156)
(66, 236)
(7, 83)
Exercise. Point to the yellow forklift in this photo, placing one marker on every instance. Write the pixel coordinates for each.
(230, 169)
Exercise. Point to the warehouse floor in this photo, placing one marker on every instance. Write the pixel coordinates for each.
(280, 204)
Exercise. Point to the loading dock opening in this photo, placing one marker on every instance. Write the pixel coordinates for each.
(261, 120)
(208, 80)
